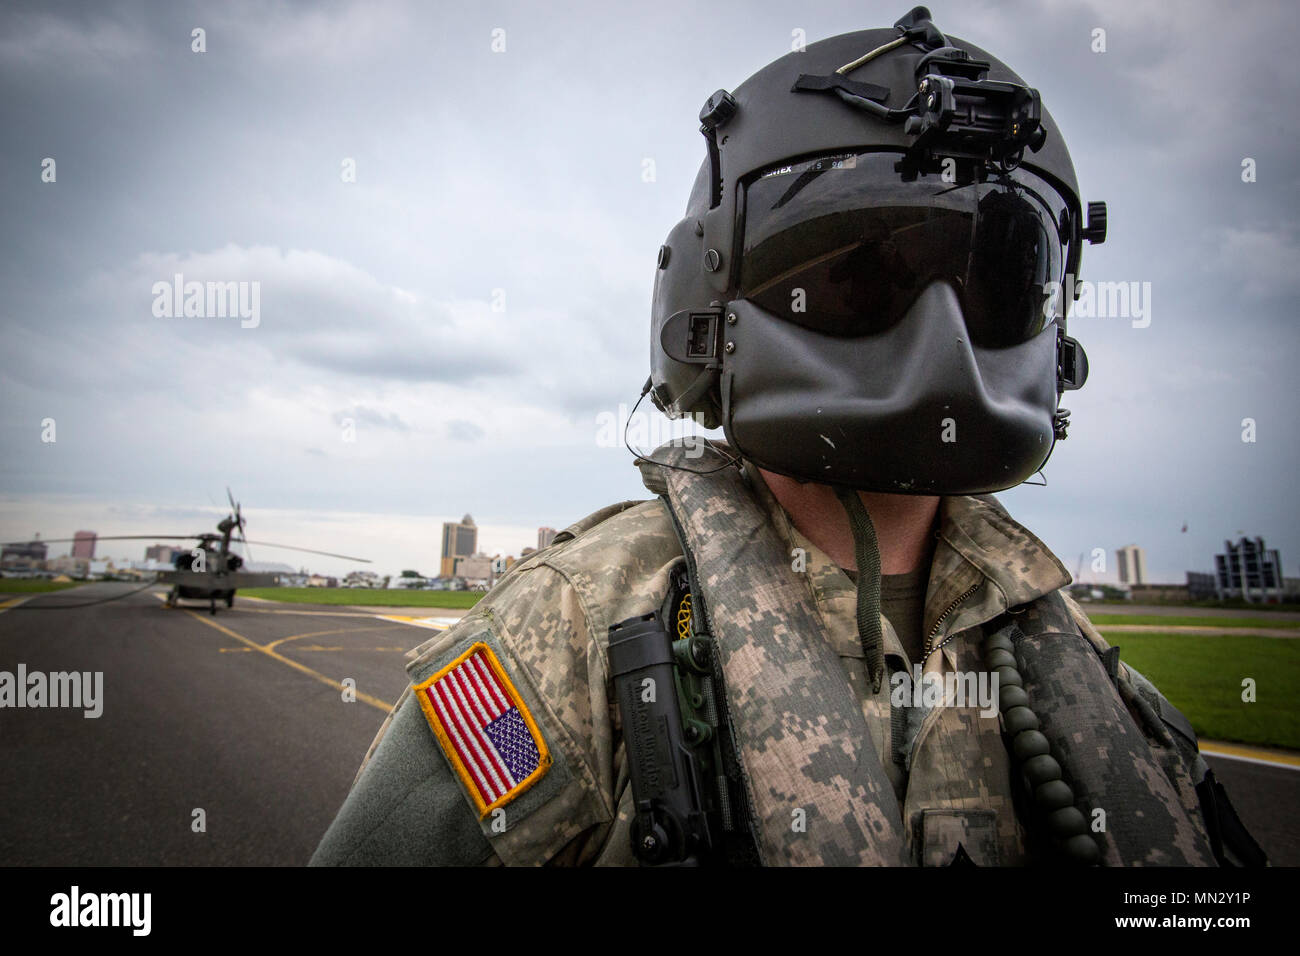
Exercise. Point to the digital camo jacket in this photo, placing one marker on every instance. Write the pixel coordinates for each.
(507, 746)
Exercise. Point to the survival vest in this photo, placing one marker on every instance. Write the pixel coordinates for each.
(792, 721)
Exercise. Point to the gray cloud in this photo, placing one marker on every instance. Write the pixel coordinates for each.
(461, 430)
(521, 172)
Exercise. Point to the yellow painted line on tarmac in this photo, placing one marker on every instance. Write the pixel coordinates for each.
(301, 668)
(317, 647)
(245, 609)
(14, 602)
(433, 623)
(296, 637)
(338, 630)
(266, 610)
(1271, 758)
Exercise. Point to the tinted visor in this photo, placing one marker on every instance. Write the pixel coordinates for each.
(842, 245)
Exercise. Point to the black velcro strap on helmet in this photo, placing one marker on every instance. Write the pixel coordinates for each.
(807, 83)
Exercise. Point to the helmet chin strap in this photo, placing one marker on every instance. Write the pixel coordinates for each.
(866, 552)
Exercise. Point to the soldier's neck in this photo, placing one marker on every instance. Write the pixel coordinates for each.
(903, 522)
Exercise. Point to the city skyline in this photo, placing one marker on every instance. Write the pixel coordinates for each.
(152, 551)
(1113, 573)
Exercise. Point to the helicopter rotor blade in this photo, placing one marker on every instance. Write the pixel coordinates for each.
(290, 547)
(239, 522)
(110, 537)
(238, 517)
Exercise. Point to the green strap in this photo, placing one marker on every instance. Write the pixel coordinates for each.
(866, 552)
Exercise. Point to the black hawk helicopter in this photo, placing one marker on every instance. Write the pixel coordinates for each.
(211, 571)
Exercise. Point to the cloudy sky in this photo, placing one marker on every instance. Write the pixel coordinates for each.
(469, 307)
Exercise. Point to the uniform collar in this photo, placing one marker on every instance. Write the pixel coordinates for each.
(984, 563)
(1006, 553)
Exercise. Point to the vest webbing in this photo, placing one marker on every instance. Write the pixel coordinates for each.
(816, 787)
(797, 726)
(1103, 753)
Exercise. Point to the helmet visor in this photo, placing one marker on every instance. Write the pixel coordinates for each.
(841, 244)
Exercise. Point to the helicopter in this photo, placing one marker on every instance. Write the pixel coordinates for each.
(211, 571)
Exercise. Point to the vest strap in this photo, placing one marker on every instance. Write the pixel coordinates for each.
(798, 728)
(1105, 756)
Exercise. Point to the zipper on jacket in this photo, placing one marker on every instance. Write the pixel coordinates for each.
(934, 713)
(934, 631)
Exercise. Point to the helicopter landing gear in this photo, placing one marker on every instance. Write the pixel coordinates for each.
(171, 598)
(212, 605)
(230, 599)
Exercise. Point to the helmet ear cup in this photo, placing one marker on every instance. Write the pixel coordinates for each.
(681, 388)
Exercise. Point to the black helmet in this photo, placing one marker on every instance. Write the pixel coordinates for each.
(865, 290)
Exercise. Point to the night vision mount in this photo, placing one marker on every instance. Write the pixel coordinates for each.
(963, 116)
(956, 113)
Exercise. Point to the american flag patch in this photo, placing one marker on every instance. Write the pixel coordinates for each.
(488, 734)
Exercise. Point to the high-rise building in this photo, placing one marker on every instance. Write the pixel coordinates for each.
(544, 538)
(459, 540)
(1249, 571)
(1132, 564)
(83, 544)
(23, 555)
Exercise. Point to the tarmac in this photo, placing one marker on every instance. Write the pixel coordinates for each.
(240, 721)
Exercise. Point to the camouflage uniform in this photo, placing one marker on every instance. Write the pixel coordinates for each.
(547, 623)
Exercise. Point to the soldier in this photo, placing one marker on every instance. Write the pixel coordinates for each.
(823, 642)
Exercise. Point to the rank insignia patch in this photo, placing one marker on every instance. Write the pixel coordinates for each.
(484, 727)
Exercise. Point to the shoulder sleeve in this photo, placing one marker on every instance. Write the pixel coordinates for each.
(490, 756)
(514, 699)
(405, 809)
(505, 747)
(551, 623)
(1085, 625)
(1170, 735)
